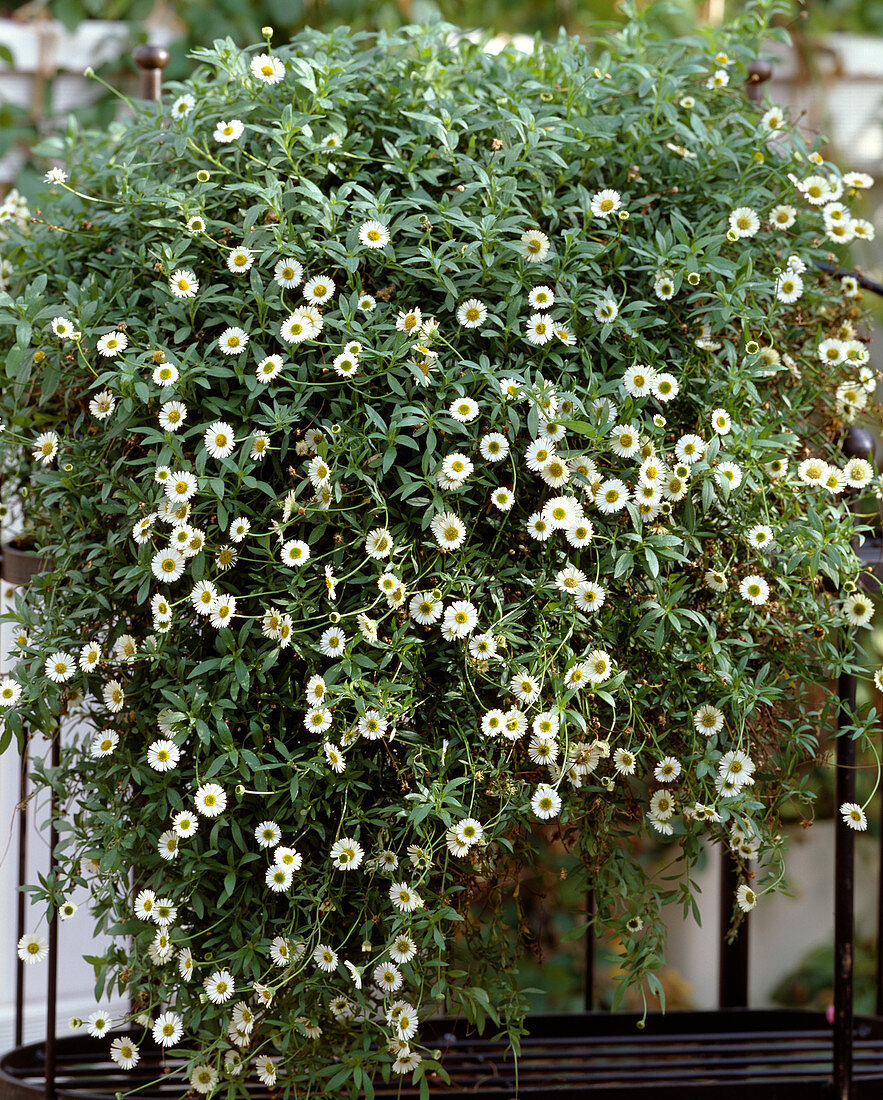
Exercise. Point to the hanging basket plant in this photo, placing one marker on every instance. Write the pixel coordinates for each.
(450, 467)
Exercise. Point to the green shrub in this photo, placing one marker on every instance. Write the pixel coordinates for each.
(430, 570)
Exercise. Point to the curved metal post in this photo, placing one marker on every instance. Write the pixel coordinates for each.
(151, 60)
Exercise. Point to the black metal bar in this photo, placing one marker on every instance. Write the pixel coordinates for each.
(759, 71)
(589, 990)
(52, 985)
(844, 901)
(862, 280)
(20, 901)
(732, 987)
(878, 1002)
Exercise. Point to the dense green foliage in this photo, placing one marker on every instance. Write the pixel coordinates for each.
(459, 573)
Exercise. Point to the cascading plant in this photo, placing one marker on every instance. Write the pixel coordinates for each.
(439, 455)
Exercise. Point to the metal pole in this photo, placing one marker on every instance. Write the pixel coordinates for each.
(878, 1005)
(732, 982)
(20, 902)
(858, 444)
(151, 60)
(589, 990)
(52, 990)
(844, 904)
(759, 71)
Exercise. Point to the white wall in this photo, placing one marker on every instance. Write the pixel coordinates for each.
(782, 929)
(76, 978)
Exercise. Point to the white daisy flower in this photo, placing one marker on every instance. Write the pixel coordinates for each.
(463, 409)
(541, 297)
(744, 221)
(45, 447)
(10, 692)
(606, 311)
(524, 687)
(240, 260)
(604, 203)
(226, 132)
(239, 528)
(182, 106)
(449, 530)
(113, 696)
(112, 344)
(665, 387)
(493, 447)
(203, 1079)
(545, 802)
(60, 666)
(598, 666)
(624, 440)
(534, 246)
(858, 473)
(346, 854)
(332, 642)
(163, 755)
(667, 770)
(325, 957)
(754, 589)
(210, 800)
(124, 1052)
(638, 380)
(184, 823)
(104, 744)
(219, 439)
(728, 474)
(62, 327)
(288, 273)
(854, 816)
(760, 536)
(102, 405)
(167, 565)
(858, 609)
(424, 609)
(168, 1029)
(172, 415)
(404, 897)
(223, 612)
(267, 69)
(589, 596)
(374, 234)
(789, 287)
(708, 719)
(97, 1023)
(233, 341)
(183, 283)
(472, 313)
(612, 496)
(318, 290)
(268, 368)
